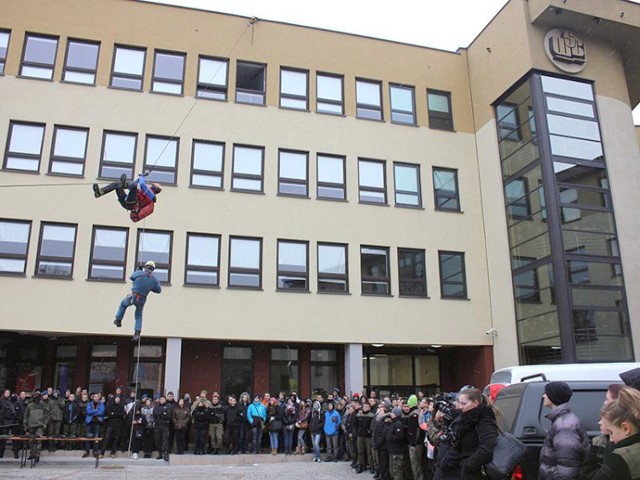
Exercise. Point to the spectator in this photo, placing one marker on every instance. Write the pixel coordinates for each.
(256, 416)
(289, 425)
(234, 418)
(93, 421)
(332, 422)
(180, 419)
(316, 425)
(397, 445)
(274, 423)
(216, 424)
(245, 401)
(631, 378)
(161, 419)
(302, 424)
(114, 416)
(148, 425)
(363, 430)
(200, 414)
(379, 440)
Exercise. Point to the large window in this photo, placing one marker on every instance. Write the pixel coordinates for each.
(161, 159)
(445, 189)
(168, 72)
(118, 154)
(293, 173)
(81, 62)
(372, 181)
(128, 67)
(293, 265)
(403, 105)
(24, 147)
(156, 246)
(248, 165)
(525, 280)
(369, 99)
(283, 374)
(250, 82)
(212, 78)
(440, 116)
(207, 164)
(102, 371)
(56, 250)
(374, 266)
(237, 370)
(203, 260)
(148, 359)
(412, 272)
(39, 56)
(330, 93)
(69, 150)
(407, 185)
(245, 262)
(14, 246)
(324, 370)
(453, 277)
(331, 174)
(333, 269)
(108, 253)
(517, 198)
(294, 89)
(4, 46)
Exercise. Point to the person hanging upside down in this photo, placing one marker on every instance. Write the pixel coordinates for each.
(140, 199)
(144, 281)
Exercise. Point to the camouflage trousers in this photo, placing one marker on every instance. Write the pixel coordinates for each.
(397, 466)
(416, 454)
(364, 452)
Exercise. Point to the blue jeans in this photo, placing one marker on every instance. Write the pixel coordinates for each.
(257, 438)
(273, 439)
(315, 438)
(288, 440)
(93, 430)
(132, 299)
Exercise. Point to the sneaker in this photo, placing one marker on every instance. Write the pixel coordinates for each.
(117, 323)
(136, 336)
(135, 456)
(113, 455)
(85, 455)
(96, 190)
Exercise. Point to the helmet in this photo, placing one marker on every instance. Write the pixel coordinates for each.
(151, 265)
(156, 187)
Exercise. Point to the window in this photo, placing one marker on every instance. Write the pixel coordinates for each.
(374, 265)
(372, 181)
(569, 196)
(156, 246)
(293, 168)
(525, 280)
(69, 150)
(324, 370)
(39, 56)
(108, 253)
(57, 247)
(331, 177)
(369, 99)
(445, 189)
(402, 104)
(128, 67)
(440, 116)
(237, 370)
(294, 88)
(248, 164)
(148, 360)
(517, 198)
(102, 372)
(81, 62)
(333, 268)
(283, 371)
(161, 159)
(203, 260)
(453, 282)
(293, 265)
(4, 46)
(614, 251)
(24, 147)
(330, 93)
(207, 164)
(407, 184)
(250, 82)
(212, 78)
(118, 154)
(577, 270)
(14, 246)
(412, 272)
(508, 122)
(245, 262)
(168, 73)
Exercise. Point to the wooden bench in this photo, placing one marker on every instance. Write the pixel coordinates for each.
(31, 440)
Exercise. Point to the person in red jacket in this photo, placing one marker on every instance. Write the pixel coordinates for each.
(140, 200)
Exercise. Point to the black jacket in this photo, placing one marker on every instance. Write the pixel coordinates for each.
(397, 437)
(233, 415)
(363, 424)
(114, 415)
(71, 412)
(476, 433)
(162, 415)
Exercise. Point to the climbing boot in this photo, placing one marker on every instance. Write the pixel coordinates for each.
(136, 336)
(97, 191)
(123, 180)
(117, 323)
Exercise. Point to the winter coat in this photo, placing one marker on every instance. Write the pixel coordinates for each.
(71, 412)
(56, 406)
(415, 435)
(36, 415)
(302, 417)
(200, 416)
(162, 415)
(147, 413)
(476, 433)
(180, 416)
(256, 409)
(565, 446)
(233, 415)
(599, 450)
(379, 434)
(95, 412)
(624, 461)
(217, 413)
(114, 415)
(363, 424)
(316, 422)
(332, 422)
(396, 438)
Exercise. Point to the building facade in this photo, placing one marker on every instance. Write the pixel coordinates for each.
(336, 210)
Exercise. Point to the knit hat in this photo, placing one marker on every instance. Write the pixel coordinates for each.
(412, 401)
(631, 378)
(397, 412)
(558, 392)
(387, 405)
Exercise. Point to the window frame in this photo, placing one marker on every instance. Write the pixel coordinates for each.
(369, 106)
(16, 256)
(330, 185)
(247, 176)
(249, 271)
(413, 280)
(382, 189)
(324, 276)
(23, 156)
(436, 116)
(26, 63)
(93, 262)
(141, 260)
(165, 80)
(152, 168)
(291, 96)
(208, 87)
(3, 60)
(207, 173)
(320, 100)
(295, 181)
(48, 258)
(465, 293)
(397, 191)
(249, 92)
(437, 192)
(117, 165)
(290, 273)
(128, 76)
(62, 159)
(376, 279)
(87, 71)
(412, 112)
(202, 268)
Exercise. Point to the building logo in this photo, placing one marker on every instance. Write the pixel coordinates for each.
(565, 50)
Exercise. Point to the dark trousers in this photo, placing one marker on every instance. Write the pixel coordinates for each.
(202, 433)
(161, 434)
(93, 431)
(244, 434)
(14, 429)
(147, 441)
(181, 439)
(127, 200)
(232, 438)
(383, 464)
(111, 438)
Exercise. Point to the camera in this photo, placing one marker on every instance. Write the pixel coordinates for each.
(444, 403)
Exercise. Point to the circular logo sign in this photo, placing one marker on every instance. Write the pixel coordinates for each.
(565, 50)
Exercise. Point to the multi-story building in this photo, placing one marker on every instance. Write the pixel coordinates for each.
(336, 210)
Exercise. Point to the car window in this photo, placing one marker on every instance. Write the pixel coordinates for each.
(501, 377)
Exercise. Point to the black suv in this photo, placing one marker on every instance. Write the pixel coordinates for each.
(523, 415)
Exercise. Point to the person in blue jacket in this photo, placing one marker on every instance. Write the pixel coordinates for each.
(144, 281)
(332, 421)
(256, 415)
(93, 421)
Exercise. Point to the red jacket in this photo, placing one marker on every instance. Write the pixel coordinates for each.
(144, 207)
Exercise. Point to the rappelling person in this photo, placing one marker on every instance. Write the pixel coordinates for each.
(140, 199)
(144, 281)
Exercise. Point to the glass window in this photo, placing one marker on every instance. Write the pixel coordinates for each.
(614, 251)
(248, 164)
(237, 370)
(118, 154)
(372, 181)
(293, 265)
(39, 56)
(56, 250)
(250, 82)
(560, 105)
(407, 184)
(333, 268)
(212, 78)
(517, 198)
(207, 164)
(245, 262)
(4, 46)
(156, 246)
(369, 99)
(69, 150)
(330, 93)
(412, 272)
(203, 260)
(293, 168)
(567, 88)
(108, 253)
(102, 371)
(161, 159)
(440, 116)
(324, 370)
(402, 104)
(128, 67)
(331, 177)
(578, 270)
(24, 147)
(14, 246)
(508, 122)
(81, 62)
(445, 189)
(525, 280)
(283, 372)
(294, 88)
(374, 265)
(453, 282)
(168, 72)
(150, 365)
